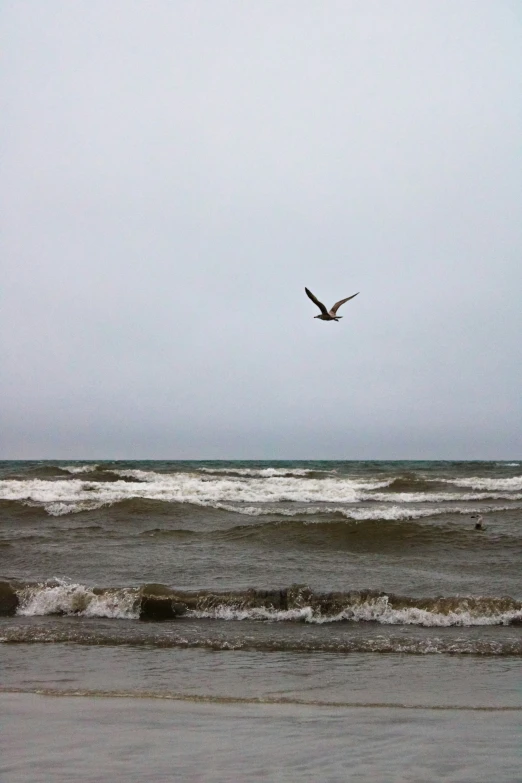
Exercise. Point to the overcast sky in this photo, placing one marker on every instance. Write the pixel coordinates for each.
(175, 172)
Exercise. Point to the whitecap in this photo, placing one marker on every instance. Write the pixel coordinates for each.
(244, 495)
(70, 598)
(184, 488)
(476, 482)
(78, 468)
(376, 610)
(367, 514)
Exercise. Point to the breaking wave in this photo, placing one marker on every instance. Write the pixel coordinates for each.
(410, 482)
(361, 514)
(137, 505)
(269, 472)
(294, 604)
(247, 494)
(65, 598)
(78, 468)
(512, 484)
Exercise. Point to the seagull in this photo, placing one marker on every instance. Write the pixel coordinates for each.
(325, 314)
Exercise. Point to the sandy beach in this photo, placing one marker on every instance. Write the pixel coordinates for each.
(116, 739)
(92, 713)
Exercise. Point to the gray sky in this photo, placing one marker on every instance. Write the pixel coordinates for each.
(174, 174)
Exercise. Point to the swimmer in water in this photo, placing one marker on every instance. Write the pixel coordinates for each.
(479, 524)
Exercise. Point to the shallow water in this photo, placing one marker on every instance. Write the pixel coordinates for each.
(93, 739)
(421, 681)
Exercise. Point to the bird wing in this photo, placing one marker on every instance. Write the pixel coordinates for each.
(338, 304)
(316, 301)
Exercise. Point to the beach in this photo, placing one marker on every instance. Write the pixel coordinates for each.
(92, 714)
(240, 718)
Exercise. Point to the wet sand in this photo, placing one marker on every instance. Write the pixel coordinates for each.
(80, 738)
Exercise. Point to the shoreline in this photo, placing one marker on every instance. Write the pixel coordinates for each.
(88, 739)
(195, 698)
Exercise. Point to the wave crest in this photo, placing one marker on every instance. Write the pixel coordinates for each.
(294, 604)
(512, 484)
(67, 598)
(248, 495)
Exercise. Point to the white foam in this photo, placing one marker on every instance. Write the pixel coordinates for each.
(241, 495)
(182, 488)
(476, 482)
(377, 610)
(271, 472)
(304, 614)
(375, 512)
(271, 480)
(441, 497)
(78, 468)
(264, 472)
(60, 509)
(141, 475)
(68, 598)
(76, 599)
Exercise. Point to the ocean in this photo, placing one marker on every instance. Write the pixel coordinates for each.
(292, 620)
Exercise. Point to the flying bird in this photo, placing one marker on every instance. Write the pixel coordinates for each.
(328, 315)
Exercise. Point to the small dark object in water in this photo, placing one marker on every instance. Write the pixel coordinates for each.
(8, 599)
(479, 525)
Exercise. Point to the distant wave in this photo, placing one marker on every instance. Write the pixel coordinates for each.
(413, 483)
(51, 473)
(78, 468)
(351, 536)
(294, 604)
(165, 506)
(48, 472)
(242, 495)
(270, 472)
(300, 485)
(181, 488)
(512, 484)
(387, 513)
(440, 497)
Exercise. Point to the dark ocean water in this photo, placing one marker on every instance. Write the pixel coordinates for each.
(304, 620)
